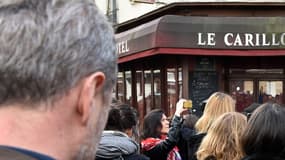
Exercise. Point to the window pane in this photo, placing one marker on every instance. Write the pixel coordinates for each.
(139, 91)
(128, 87)
(242, 92)
(157, 88)
(139, 86)
(147, 87)
(120, 86)
(171, 90)
(180, 82)
(270, 91)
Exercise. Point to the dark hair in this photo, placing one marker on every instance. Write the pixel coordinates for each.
(249, 110)
(265, 132)
(121, 117)
(152, 124)
(190, 121)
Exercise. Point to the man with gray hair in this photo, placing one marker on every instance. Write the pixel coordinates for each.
(57, 71)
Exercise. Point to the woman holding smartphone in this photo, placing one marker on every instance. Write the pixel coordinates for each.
(159, 140)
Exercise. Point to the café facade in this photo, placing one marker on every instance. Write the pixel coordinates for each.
(172, 55)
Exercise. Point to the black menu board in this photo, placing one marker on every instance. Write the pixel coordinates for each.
(202, 85)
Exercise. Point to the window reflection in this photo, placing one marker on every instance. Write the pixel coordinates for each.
(139, 90)
(128, 82)
(157, 88)
(147, 87)
(171, 90)
(180, 82)
(270, 91)
(120, 87)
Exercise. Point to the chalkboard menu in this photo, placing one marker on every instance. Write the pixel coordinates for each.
(205, 64)
(202, 85)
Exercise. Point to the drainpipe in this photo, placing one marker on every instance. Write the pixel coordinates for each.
(114, 12)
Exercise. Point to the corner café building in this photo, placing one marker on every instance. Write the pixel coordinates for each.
(190, 50)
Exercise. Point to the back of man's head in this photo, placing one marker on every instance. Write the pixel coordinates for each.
(47, 46)
(121, 117)
(57, 70)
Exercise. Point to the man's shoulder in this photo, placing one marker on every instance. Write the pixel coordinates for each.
(14, 153)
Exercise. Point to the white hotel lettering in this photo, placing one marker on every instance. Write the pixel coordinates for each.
(210, 40)
(243, 39)
(122, 47)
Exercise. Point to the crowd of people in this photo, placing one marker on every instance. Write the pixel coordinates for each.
(58, 66)
(220, 133)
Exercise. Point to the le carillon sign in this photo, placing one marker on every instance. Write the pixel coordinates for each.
(204, 32)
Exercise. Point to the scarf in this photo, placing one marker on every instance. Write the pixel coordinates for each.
(150, 143)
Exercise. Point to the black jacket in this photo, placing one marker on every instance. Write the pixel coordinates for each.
(161, 150)
(183, 144)
(189, 144)
(135, 157)
(263, 157)
(13, 153)
(127, 157)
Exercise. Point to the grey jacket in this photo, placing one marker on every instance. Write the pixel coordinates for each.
(115, 145)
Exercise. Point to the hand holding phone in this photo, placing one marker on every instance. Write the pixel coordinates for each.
(187, 104)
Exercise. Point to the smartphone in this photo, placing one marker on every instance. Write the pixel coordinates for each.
(187, 104)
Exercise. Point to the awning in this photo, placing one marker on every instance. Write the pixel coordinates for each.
(229, 36)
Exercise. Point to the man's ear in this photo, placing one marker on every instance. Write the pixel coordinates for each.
(90, 87)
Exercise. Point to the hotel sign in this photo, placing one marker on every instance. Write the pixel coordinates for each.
(122, 47)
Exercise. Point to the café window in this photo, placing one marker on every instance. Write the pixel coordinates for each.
(270, 91)
(242, 92)
(171, 90)
(250, 86)
(174, 88)
(148, 90)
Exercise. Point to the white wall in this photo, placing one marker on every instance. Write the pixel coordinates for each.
(129, 10)
(102, 5)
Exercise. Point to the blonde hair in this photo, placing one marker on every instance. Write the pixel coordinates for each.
(217, 104)
(223, 140)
